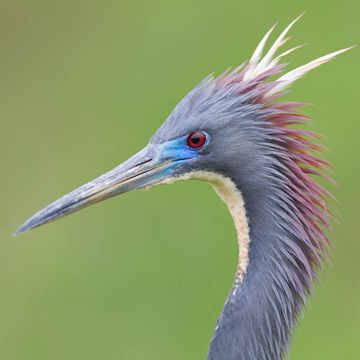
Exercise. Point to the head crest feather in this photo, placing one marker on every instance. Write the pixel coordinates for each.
(260, 68)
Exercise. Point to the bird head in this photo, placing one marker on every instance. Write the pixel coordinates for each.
(225, 125)
(209, 131)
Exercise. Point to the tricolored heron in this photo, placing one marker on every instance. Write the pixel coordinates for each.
(233, 132)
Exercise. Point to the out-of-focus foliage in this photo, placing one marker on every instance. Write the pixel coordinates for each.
(83, 85)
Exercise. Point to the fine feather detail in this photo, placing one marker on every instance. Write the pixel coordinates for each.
(290, 77)
(259, 65)
(296, 152)
(291, 160)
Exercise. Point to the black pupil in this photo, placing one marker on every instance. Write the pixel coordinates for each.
(195, 139)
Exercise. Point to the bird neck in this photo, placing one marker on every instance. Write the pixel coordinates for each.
(268, 291)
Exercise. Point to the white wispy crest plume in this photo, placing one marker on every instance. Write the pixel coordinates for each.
(259, 65)
(293, 75)
(259, 50)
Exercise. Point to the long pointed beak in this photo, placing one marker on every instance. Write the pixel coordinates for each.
(146, 168)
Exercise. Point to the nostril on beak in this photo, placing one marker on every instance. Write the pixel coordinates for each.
(143, 162)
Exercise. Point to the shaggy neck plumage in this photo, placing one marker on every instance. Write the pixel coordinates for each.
(258, 317)
(271, 165)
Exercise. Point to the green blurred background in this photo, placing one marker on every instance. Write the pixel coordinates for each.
(83, 85)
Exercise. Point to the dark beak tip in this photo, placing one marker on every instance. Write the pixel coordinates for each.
(17, 233)
(25, 227)
(20, 230)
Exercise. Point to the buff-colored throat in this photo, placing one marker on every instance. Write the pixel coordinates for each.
(234, 200)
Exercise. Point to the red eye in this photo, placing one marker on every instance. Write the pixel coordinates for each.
(196, 139)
